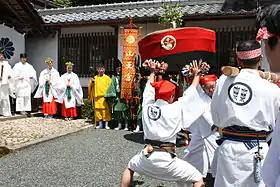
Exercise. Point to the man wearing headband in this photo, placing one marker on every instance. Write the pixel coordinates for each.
(162, 120)
(200, 152)
(244, 107)
(47, 89)
(25, 80)
(5, 75)
(269, 34)
(101, 107)
(70, 93)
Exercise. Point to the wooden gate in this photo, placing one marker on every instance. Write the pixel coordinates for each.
(227, 40)
(87, 50)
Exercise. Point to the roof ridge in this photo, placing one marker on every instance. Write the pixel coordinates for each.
(124, 5)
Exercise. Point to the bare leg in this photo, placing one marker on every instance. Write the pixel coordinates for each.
(127, 177)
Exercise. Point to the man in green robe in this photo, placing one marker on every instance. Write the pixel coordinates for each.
(113, 97)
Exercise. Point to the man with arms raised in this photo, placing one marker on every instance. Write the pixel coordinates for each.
(200, 152)
(162, 120)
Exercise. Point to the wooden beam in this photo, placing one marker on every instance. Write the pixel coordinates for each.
(6, 3)
(35, 19)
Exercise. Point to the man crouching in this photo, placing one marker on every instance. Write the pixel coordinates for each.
(162, 120)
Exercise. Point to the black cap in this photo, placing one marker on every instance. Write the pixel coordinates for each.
(117, 64)
(23, 55)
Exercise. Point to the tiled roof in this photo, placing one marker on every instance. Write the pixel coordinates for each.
(119, 11)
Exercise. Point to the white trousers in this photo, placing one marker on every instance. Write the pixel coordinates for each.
(160, 165)
(23, 104)
(5, 108)
(235, 165)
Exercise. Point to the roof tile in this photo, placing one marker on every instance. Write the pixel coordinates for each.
(115, 11)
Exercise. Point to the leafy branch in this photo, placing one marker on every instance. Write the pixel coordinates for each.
(66, 3)
(172, 15)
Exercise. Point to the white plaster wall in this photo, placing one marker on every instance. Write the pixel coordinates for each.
(17, 39)
(88, 29)
(39, 48)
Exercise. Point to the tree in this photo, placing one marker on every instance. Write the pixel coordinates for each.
(171, 15)
(65, 3)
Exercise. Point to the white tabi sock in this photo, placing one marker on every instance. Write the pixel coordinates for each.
(100, 124)
(106, 125)
(126, 126)
(119, 125)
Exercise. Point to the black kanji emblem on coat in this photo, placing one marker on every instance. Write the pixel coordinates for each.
(240, 93)
(154, 112)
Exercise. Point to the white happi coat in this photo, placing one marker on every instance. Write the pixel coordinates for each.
(271, 166)
(161, 122)
(24, 88)
(200, 152)
(5, 88)
(76, 90)
(52, 76)
(249, 101)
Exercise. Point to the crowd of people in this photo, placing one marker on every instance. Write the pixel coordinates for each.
(242, 108)
(231, 118)
(20, 82)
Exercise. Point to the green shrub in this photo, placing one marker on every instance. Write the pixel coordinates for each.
(87, 111)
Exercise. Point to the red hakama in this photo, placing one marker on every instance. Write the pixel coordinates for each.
(69, 112)
(50, 108)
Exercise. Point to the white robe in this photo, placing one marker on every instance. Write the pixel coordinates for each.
(76, 90)
(200, 152)
(249, 101)
(53, 77)
(162, 122)
(24, 88)
(5, 88)
(271, 166)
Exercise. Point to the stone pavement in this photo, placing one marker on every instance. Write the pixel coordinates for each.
(16, 133)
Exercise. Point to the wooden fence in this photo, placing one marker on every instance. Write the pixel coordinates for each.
(87, 50)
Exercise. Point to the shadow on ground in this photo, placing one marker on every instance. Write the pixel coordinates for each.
(135, 137)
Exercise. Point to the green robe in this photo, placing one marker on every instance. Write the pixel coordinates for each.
(113, 97)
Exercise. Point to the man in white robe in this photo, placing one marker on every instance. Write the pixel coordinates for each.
(245, 107)
(70, 93)
(5, 87)
(162, 120)
(25, 82)
(200, 152)
(47, 89)
(269, 34)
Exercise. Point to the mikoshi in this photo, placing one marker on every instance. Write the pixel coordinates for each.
(178, 47)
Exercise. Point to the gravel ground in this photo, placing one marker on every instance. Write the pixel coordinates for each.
(16, 132)
(88, 158)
